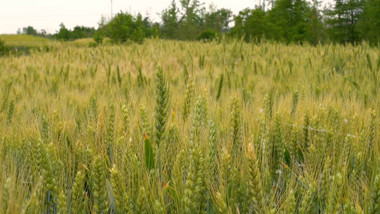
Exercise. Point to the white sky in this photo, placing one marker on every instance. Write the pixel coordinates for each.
(48, 14)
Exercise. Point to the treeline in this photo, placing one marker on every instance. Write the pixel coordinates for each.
(63, 33)
(289, 21)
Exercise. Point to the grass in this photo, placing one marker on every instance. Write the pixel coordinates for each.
(168, 126)
(25, 41)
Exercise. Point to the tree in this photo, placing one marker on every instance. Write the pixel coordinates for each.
(291, 19)
(191, 20)
(29, 31)
(124, 27)
(369, 23)
(253, 24)
(342, 21)
(218, 20)
(170, 21)
(63, 33)
(315, 29)
(82, 32)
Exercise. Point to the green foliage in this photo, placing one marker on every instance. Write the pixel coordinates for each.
(4, 50)
(191, 21)
(253, 25)
(63, 33)
(369, 24)
(220, 86)
(29, 31)
(149, 155)
(343, 19)
(98, 37)
(78, 32)
(207, 35)
(124, 27)
(170, 19)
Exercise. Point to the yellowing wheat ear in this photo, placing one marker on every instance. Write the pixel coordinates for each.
(62, 202)
(119, 192)
(5, 196)
(254, 181)
(77, 192)
(142, 205)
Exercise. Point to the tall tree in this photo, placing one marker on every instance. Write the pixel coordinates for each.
(253, 25)
(192, 19)
(291, 19)
(315, 28)
(29, 31)
(63, 33)
(217, 19)
(369, 23)
(124, 27)
(342, 20)
(170, 21)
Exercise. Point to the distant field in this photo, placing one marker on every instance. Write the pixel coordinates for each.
(35, 42)
(25, 41)
(189, 127)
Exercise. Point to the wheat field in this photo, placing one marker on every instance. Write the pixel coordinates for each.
(191, 127)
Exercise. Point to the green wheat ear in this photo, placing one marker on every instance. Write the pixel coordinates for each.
(213, 153)
(294, 103)
(161, 112)
(236, 128)
(119, 192)
(276, 147)
(307, 200)
(199, 118)
(125, 113)
(45, 166)
(142, 204)
(62, 202)
(110, 132)
(33, 204)
(375, 196)
(291, 202)
(189, 95)
(195, 184)
(162, 105)
(220, 204)
(6, 192)
(77, 193)
(10, 112)
(100, 190)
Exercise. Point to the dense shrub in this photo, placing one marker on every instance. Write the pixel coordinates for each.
(207, 35)
(3, 49)
(124, 27)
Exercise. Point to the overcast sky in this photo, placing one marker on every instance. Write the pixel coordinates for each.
(48, 14)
